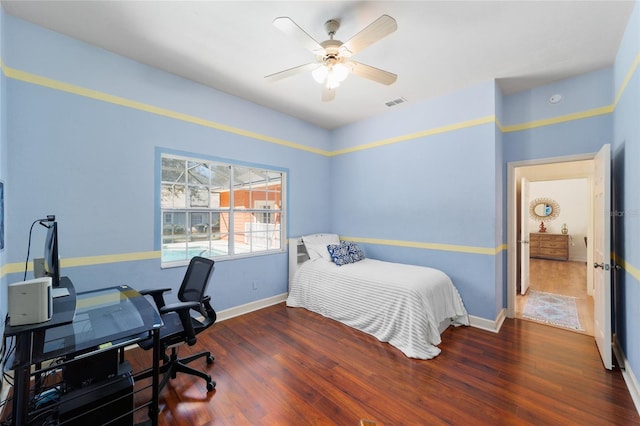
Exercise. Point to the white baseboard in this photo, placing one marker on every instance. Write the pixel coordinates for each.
(239, 310)
(627, 374)
(250, 307)
(477, 322)
(488, 325)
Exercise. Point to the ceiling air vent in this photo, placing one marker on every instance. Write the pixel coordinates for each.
(395, 102)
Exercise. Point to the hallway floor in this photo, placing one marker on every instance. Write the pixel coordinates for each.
(565, 278)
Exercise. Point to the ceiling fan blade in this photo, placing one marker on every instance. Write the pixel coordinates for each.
(372, 73)
(292, 71)
(328, 94)
(291, 29)
(378, 29)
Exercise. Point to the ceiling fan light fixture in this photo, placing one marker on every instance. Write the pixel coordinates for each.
(332, 65)
(336, 75)
(320, 74)
(331, 75)
(339, 72)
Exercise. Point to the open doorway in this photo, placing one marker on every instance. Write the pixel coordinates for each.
(597, 169)
(556, 216)
(551, 169)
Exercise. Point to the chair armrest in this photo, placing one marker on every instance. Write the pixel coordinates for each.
(182, 309)
(207, 311)
(157, 294)
(179, 306)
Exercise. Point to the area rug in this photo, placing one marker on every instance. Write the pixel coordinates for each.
(552, 309)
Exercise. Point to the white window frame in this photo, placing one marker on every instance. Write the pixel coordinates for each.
(179, 238)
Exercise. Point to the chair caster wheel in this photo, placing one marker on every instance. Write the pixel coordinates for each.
(211, 385)
(209, 359)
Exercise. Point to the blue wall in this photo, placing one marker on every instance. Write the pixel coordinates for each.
(584, 121)
(625, 154)
(418, 185)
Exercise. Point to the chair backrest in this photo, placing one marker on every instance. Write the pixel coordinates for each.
(196, 279)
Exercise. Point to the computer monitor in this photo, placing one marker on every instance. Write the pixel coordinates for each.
(51, 257)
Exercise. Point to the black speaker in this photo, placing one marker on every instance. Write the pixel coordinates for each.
(99, 403)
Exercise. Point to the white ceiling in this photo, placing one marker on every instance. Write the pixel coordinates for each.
(439, 47)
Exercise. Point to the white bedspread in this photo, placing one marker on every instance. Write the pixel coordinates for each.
(396, 303)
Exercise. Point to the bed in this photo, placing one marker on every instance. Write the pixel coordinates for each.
(407, 306)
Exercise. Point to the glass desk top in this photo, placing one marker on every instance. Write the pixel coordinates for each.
(105, 318)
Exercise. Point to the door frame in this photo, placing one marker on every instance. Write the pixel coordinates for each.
(513, 176)
(523, 233)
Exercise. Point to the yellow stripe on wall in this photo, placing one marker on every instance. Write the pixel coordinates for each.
(117, 100)
(560, 119)
(632, 270)
(623, 86)
(417, 135)
(608, 109)
(12, 268)
(429, 246)
(148, 255)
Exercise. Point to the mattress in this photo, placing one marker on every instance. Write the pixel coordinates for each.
(396, 303)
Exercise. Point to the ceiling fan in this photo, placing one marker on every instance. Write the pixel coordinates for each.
(333, 64)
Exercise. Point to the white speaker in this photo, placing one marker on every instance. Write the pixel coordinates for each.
(30, 302)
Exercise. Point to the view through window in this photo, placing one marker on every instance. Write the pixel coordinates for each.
(214, 209)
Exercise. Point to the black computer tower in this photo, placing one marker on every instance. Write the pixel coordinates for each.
(82, 371)
(99, 403)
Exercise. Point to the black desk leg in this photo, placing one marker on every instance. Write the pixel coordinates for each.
(22, 372)
(155, 403)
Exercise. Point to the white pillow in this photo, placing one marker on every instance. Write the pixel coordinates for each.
(316, 245)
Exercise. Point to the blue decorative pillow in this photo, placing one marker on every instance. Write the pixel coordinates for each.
(354, 250)
(345, 252)
(340, 253)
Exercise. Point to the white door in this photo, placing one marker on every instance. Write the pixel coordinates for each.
(602, 255)
(524, 235)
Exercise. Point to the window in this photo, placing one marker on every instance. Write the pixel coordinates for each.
(215, 209)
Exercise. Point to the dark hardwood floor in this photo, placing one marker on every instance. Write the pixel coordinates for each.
(289, 366)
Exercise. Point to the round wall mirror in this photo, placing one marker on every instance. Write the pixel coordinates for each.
(544, 209)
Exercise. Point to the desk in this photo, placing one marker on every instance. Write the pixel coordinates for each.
(101, 320)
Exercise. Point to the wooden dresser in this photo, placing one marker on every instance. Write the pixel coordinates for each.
(549, 246)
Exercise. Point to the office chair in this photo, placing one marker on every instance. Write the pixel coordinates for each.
(179, 326)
